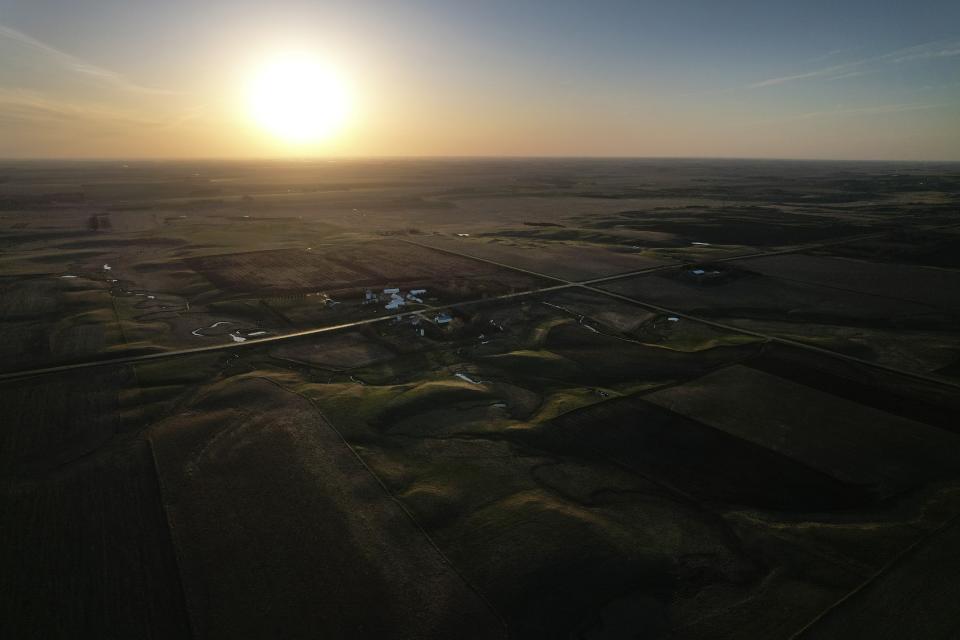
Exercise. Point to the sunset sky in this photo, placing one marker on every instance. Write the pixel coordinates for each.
(815, 79)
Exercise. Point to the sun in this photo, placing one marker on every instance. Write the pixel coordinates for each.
(298, 98)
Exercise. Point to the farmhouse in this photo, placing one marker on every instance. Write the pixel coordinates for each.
(396, 301)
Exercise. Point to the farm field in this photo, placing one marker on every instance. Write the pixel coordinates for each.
(755, 437)
(925, 286)
(939, 248)
(559, 260)
(850, 443)
(856, 309)
(925, 572)
(349, 268)
(140, 295)
(334, 519)
(85, 533)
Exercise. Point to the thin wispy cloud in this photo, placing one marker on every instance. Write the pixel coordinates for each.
(117, 107)
(24, 105)
(826, 72)
(78, 65)
(939, 87)
(830, 54)
(939, 49)
(853, 74)
(926, 51)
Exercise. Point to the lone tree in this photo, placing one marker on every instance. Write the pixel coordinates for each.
(97, 222)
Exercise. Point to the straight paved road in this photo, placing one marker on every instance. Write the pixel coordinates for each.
(589, 285)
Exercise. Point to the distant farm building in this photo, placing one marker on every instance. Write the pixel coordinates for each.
(396, 301)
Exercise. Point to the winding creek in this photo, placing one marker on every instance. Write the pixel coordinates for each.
(157, 307)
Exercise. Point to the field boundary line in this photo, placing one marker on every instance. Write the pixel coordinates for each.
(495, 263)
(174, 539)
(784, 341)
(397, 501)
(589, 285)
(882, 571)
(666, 267)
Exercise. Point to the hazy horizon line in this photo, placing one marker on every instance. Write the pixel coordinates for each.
(347, 158)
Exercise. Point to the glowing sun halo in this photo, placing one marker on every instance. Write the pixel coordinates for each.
(298, 99)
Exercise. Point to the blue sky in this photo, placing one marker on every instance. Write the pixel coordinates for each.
(871, 80)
